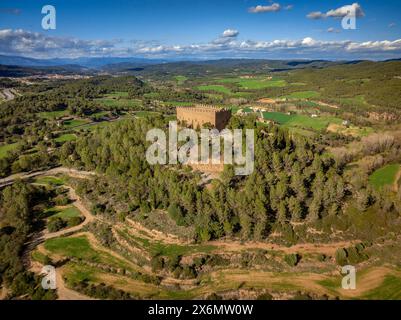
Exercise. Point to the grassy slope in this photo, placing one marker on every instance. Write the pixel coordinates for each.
(384, 176)
(4, 149)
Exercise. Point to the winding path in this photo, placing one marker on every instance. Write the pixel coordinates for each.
(58, 170)
(77, 202)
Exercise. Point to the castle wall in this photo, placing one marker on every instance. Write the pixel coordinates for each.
(198, 116)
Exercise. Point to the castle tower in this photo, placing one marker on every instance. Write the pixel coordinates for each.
(199, 115)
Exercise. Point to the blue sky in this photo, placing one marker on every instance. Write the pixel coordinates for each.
(194, 28)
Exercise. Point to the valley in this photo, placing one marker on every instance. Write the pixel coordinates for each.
(77, 192)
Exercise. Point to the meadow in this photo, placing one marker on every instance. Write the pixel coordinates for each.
(302, 121)
(302, 95)
(213, 87)
(50, 115)
(180, 79)
(4, 149)
(384, 176)
(255, 83)
(65, 213)
(65, 137)
(122, 102)
(80, 248)
(74, 123)
(54, 181)
(117, 94)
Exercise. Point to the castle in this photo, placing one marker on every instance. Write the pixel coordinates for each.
(198, 116)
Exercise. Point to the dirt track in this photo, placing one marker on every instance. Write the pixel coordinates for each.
(323, 248)
(77, 202)
(59, 170)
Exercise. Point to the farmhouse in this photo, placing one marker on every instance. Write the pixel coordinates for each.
(201, 115)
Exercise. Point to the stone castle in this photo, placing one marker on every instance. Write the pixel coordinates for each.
(199, 115)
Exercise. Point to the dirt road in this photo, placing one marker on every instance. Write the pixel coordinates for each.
(9, 94)
(59, 170)
(77, 202)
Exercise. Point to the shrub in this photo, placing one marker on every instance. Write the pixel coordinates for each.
(176, 214)
(265, 296)
(214, 296)
(157, 263)
(61, 200)
(341, 257)
(74, 221)
(56, 224)
(173, 262)
(188, 272)
(292, 259)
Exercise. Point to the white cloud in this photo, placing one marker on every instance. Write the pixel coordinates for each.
(333, 30)
(230, 33)
(260, 9)
(346, 10)
(392, 25)
(316, 15)
(37, 44)
(32, 44)
(339, 12)
(289, 7)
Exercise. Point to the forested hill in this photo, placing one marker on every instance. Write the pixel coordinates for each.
(377, 82)
(209, 67)
(293, 182)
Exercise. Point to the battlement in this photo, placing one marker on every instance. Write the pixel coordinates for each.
(204, 108)
(199, 115)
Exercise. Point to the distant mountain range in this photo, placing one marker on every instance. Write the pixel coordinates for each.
(93, 63)
(22, 66)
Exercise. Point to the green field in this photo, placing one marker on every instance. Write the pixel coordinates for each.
(73, 247)
(302, 95)
(384, 176)
(4, 149)
(390, 289)
(55, 181)
(359, 100)
(255, 83)
(117, 94)
(79, 247)
(70, 212)
(74, 123)
(301, 121)
(178, 103)
(216, 88)
(151, 95)
(66, 137)
(242, 94)
(93, 125)
(142, 114)
(53, 114)
(123, 103)
(278, 117)
(101, 113)
(181, 79)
